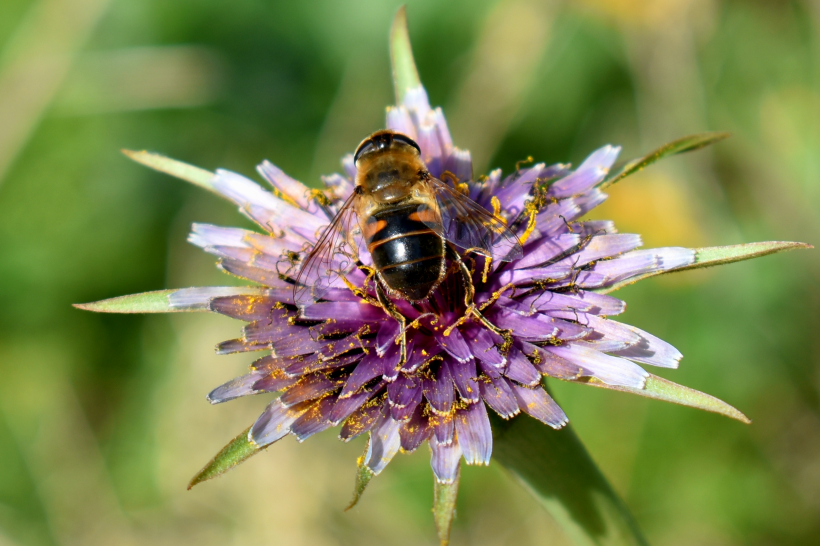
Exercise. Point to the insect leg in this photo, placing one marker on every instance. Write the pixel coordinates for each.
(472, 309)
(393, 311)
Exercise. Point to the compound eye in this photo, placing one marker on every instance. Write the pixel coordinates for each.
(365, 147)
(406, 140)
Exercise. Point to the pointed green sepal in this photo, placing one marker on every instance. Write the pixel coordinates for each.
(238, 450)
(184, 171)
(659, 388)
(686, 144)
(717, 255)
(177, 300)
(556, 468)
(405, 74)
(148, 302)
(444, 506)
(363, 477)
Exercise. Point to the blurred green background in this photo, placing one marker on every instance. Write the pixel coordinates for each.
(103, 418)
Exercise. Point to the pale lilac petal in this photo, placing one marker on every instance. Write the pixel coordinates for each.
(460, 164)
(384, 444)
(651, 350)
(547, 249)
(605, 246)
(537, 403)
(262, 276)
(208, 235)
(609, 369)
(551, 364)
(341, 186)
(399, 120)
(445, 460)
(474, 434)
(290, 187)
(587, 302)
(589, 174)
(520, 369)
(275, 422)
(535, 328)
(199, 298)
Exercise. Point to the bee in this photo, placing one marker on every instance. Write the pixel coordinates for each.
(410, 222)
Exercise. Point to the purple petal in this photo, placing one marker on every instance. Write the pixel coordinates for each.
(439, 390)
(387, 336)
(460, 164)
(316, 419)
(235, 388)
(363, 312)
(605, 246)
(390, 361)
(250, 308)
(384, 443)
(199, 298)
(537, 403)
(239, 346)
(651, 350)
(445, 460)
(609, 369)
(415, 430)
(474, 434)
(403, 391)
(587, 302)
(291, 188)
(345, 407)
(553, 365)
(547, 249)
(308, 388)
(341, 186)
(455, 345)
(368, 369)
(589, 174)
(362, 420)
(275, 422)
(536, 328)
(497, 393)
(464, 374)
(276, 380)
(255, 274)
(443, 428)
(520, 369)
(483, 347)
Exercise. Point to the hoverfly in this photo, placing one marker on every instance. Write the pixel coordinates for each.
(410, 221)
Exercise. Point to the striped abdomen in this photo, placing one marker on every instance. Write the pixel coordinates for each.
(408, 255)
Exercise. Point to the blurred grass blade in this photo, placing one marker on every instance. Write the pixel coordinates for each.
(717, 255)
(178, 300)
(659, 388)
(556, 468)
(405, 74)
(686, 144)
(189, 173)
(363, 477)
(444, 506)
(238, 450)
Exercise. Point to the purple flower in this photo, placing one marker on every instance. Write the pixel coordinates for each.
(336, 361)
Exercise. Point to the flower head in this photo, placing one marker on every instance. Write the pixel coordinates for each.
(338, 361)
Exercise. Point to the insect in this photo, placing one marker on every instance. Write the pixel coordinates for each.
(410, 223)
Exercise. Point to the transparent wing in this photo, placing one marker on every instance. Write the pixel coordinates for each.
(332, 256)
(468, 225)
